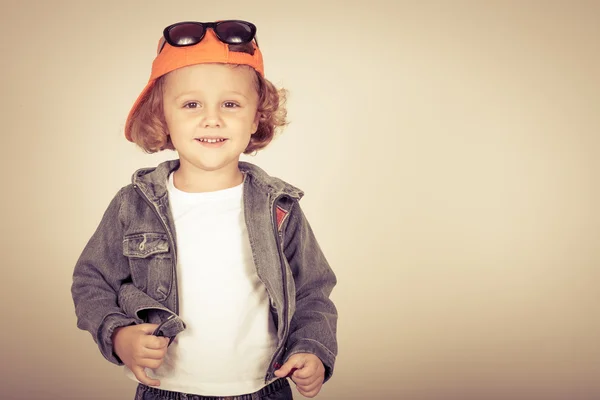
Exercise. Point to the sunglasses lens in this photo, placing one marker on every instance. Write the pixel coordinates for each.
(186, 34)
(235, 32)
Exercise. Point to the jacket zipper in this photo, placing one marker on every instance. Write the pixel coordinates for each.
(172, 242)
(278, 240)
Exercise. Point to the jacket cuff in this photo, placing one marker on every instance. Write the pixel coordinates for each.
(313, 347)
(105, 332)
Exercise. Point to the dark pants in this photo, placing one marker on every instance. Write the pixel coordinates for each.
(278, 390)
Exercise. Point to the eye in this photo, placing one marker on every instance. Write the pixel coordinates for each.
(231, 104)
(191, 104)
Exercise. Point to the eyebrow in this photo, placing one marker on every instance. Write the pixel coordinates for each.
(192, 93)
(238, 93)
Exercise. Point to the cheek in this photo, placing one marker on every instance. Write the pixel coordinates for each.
(169, 120)
(179, 122)
(231, 121)
(245, 120)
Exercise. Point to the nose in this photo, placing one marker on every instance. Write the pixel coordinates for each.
(211, 118)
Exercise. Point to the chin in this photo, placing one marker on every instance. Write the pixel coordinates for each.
(213, 167)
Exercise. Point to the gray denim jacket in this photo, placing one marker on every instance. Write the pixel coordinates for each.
(126, 273)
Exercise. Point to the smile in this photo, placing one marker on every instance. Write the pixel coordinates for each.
(206, 140)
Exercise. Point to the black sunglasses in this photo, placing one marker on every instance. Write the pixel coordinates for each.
(184, 34)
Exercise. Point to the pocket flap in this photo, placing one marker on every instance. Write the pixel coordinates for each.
(145, 244)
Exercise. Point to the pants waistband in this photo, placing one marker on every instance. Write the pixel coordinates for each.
(167, 394)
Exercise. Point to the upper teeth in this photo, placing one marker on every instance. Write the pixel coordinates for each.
(211, 140)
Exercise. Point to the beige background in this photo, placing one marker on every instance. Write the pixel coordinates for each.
(449, 154)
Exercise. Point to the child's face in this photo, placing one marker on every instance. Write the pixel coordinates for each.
(210, 102)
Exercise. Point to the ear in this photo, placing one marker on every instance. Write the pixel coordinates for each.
(255, 123)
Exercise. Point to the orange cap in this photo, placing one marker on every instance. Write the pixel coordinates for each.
(209, 50)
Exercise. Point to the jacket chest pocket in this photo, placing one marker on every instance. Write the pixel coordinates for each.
(150, 262)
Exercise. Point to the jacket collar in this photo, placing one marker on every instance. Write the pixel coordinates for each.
(153, 181)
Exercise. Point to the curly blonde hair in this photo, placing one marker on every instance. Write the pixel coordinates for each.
(149, 128)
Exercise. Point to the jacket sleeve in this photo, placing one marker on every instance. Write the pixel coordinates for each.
(98, 274)
(314, 323)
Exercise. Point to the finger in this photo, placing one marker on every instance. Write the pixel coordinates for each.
(150, 363)
(309, 392)
(284, 371)
(152, 354)
(148, 328)
(141, 376)
(307, 384)
(305, 372)
(306, 394)
(293, 362)
(303, 381)
(155, 342)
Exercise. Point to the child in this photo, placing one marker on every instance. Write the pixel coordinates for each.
(203, 277)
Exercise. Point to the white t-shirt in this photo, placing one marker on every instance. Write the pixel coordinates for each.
(230, 335)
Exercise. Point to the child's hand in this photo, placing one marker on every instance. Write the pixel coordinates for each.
(307, 372)
(138, 348)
